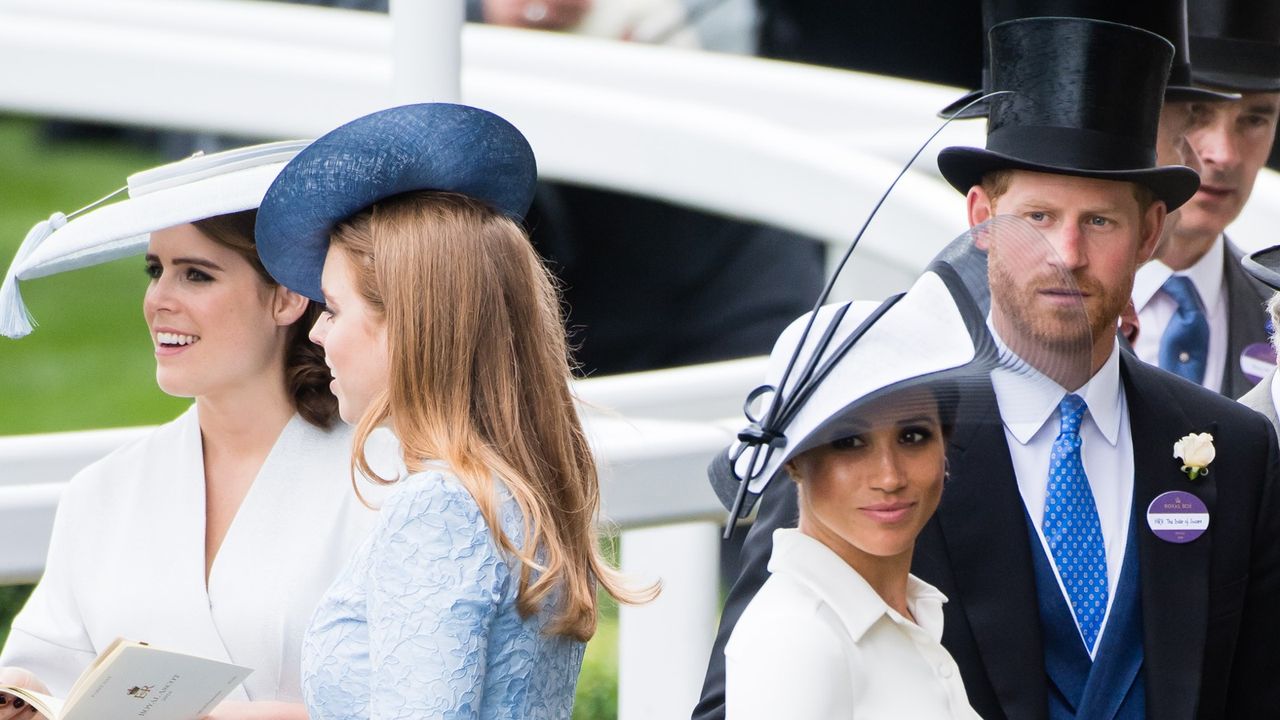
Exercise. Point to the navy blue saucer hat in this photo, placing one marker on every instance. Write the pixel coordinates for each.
(1070, 111)
(428, 146)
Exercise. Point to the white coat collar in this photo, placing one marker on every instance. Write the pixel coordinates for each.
(814, 565)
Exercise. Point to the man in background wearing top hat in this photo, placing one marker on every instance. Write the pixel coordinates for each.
(1200, 315)
(1101, 618)
(1064, 600)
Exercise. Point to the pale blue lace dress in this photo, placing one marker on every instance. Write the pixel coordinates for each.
(422, 623)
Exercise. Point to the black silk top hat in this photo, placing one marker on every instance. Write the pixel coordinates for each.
(1166, 18)
(1264, 265)
(429, 146)
(1236, 43)
(1084, 100)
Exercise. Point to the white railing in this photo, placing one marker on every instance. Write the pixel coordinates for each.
(653, 489)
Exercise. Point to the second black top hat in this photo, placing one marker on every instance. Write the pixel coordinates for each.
(1166, 18)
(1085, 100)
(1236, 43)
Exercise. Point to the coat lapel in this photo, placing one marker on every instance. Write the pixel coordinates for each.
(1259, 398)
(1174, 577)
(1246, 320)
(982, 522)
(204, 638)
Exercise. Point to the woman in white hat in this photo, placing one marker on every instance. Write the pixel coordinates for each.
(862, 399)
(217, 533)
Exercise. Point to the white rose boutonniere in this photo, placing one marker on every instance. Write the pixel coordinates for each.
(1196, 452)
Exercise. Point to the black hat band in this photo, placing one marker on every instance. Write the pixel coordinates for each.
(1080, 148)
(1236, 56)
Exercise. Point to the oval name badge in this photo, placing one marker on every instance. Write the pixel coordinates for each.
(1177, 516)
(1257, 360)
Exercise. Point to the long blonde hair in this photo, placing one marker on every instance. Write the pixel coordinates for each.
(479, 378)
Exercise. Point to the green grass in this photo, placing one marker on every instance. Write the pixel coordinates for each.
(89, 364)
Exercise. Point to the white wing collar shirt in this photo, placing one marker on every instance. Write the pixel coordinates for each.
(1156, 309)
(818, 643)
(127, 559)
(1028, 403)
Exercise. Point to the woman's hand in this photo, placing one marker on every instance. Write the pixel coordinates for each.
(22, 678)
(265, 710)
(13, 707)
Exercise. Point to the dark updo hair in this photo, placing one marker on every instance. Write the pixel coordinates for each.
(305, 374)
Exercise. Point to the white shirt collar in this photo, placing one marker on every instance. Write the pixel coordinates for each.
(807, 561)
(1028, 398)
(1206, 275)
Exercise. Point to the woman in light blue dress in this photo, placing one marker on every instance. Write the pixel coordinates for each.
(475, 594)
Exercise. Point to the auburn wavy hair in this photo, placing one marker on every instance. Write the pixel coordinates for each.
(479, 377)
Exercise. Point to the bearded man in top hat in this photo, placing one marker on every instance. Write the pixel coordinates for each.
(1064, 591)
(1064, 602)
(1201, 316)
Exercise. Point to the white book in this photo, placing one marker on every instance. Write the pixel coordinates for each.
(134, 680)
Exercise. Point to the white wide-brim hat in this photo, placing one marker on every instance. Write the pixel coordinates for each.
(199, 187)
(919, 340)
(828, 366)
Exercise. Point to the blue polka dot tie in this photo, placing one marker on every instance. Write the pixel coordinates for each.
(1071, 525)
(1184, 347)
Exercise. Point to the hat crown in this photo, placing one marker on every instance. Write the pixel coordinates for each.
(1236, 43)
(1078, 97)
(441, 147)
(1256, 20)
(1166, 18)
(1062, 74)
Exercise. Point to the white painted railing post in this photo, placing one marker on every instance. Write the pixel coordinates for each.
(426, 50)
(663, 646)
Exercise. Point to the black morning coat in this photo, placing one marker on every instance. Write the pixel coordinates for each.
(1210, 608)
(1246, 319)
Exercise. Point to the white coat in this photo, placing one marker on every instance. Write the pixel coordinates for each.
(818, 643)
(127, 558)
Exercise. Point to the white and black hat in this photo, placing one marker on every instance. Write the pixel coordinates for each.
(829, 364)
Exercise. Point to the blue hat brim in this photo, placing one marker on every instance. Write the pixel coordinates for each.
(430, 146)
(963, 167)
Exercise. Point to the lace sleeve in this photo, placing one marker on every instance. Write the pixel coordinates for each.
(436, 582)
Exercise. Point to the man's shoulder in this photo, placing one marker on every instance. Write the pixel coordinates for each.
(1239, 279)
(1200, 405)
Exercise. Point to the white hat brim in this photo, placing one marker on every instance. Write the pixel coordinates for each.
(923, 335)
(121, 229)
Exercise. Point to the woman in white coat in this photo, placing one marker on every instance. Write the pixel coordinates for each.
(217, 533)
(841, 629)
